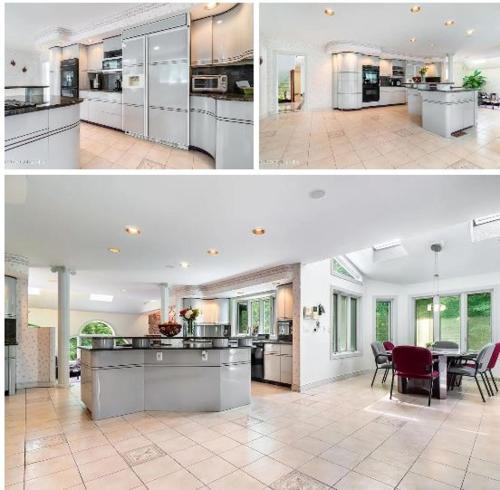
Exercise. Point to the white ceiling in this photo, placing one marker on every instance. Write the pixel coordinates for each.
(28, 23)
(389, 26)
(459, 257)
(72, 220)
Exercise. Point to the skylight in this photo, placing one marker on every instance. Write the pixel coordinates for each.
(392, 249)
(107, 298)
(384, 245)
(342, 267)
(485, 228)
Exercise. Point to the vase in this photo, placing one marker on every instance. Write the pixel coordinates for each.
(190, 328)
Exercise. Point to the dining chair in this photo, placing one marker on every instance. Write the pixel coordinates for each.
(388, 345)
(381, 360)
(480, 367)
(492, 363)
(413, 363)
(445, 344)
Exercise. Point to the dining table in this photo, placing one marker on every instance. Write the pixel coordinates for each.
(441, 359)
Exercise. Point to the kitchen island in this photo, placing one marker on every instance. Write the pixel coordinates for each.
(122, 380)
(445, 110)
(43, 135)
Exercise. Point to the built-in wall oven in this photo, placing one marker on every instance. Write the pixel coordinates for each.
(69, 77)
(371, 83)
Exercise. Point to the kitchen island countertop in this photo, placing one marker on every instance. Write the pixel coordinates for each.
(54, 103)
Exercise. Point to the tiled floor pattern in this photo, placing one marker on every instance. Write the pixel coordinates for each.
(342, 435)
(377, 138)
(103, 148)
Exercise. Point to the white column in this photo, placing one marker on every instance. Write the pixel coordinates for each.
(63, 291)
(450, 68)
(164, 302)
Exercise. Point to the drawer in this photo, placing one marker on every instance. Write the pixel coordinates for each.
(286, 349)
(272, 349)
(231, 109)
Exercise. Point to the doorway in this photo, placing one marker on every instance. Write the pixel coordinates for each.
(290, 81)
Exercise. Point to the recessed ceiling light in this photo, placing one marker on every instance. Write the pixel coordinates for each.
(184, 265)
(259, 231)
(107, 298)
(449, 23)
(329, 12)
(211, 5)
(34, 291)
(470, 32)
(132, 230)
(317, 194)
(413, 39)
(415, 9)
(114, 250)
(212, 251)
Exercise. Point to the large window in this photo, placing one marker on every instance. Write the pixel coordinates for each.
(345, 322)
(463, 318)
(255, 316)
(383, 319)
(93, 328)
(342, 267)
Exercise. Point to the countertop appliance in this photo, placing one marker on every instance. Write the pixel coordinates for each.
(371, 83)
(69, 77)
(156, 81)
(285, 330)
(209, 83)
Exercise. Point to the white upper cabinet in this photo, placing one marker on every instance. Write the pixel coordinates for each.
(70, 52)
(201, 42)
(233, 34)
(386, 68)
(94, 56)
(112, 43)
(284, 302)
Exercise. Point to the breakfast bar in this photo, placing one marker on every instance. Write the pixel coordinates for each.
(122, 380)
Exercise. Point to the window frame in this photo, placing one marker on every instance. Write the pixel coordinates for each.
(349, 267)
(463, 294)
(392, 319)
(249, 301)
(333, 308)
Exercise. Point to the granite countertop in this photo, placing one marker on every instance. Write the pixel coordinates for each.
(164, 347)
(54, 103)
(289, 342)
(27, 86)
(451, 91)
(234, 97)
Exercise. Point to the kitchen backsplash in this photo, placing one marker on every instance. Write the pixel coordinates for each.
(234, 74)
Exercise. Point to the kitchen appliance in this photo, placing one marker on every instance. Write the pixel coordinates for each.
(112, 81)
(69, 77)
(211, 330)
(398, 71)
(155, 68)
(222, 342)
(95, 80)
(257, 361)
(396, 82)
(141, 343)
(103, 343)
(245, 342)
(371, 83)
(285, 330)
(112, 64)
(209, 83)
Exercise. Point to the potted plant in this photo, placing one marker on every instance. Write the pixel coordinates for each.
(476, 80)
(189, 315)
(423, 71)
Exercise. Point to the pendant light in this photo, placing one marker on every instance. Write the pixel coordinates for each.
(436, 306)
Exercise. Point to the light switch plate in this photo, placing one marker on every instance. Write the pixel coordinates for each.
(159, 356)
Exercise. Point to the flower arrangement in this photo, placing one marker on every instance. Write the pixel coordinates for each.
(190, 315)
(423, 71)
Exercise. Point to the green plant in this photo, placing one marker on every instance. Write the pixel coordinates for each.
(423, 71)
(476, 80)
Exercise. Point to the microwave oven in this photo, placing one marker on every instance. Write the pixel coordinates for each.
(112, 64)
(209, 83)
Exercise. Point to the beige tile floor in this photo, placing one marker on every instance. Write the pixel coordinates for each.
(342, 435)
(377, 138)
(103, 148)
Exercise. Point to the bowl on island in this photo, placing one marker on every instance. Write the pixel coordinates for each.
(169, 329)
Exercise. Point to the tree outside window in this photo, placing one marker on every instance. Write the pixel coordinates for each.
(91, 329)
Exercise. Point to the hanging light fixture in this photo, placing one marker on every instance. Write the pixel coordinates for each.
(436, 304)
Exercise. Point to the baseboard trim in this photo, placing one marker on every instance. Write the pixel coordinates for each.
(38, 384)
(340, 377)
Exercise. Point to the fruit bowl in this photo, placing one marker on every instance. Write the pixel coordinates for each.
(169, 329)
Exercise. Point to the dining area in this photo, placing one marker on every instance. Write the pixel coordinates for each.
(435, 370)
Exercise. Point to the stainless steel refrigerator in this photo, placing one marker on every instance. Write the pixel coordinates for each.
(156, 81)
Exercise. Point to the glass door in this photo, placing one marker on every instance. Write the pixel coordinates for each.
(424, 321)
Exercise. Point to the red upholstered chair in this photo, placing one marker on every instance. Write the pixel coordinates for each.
(388, 345)
(413, 363)
(492, 363)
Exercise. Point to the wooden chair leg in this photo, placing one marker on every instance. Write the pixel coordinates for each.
(374, 374)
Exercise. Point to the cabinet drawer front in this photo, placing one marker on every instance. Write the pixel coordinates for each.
(207, 104)
(235, 110)
(286, 349)
(272, 348)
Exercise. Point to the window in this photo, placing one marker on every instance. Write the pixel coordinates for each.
(255, 316)
(342, 267)
(242, 315)
(383, 320)
(345, 322)
(478, 320)
(90, 329)
(463, 318)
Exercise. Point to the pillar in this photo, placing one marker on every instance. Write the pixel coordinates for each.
(63, 310)
(450, 68)
(164, 302)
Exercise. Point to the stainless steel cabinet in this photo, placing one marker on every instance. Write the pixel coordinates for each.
(201, 42)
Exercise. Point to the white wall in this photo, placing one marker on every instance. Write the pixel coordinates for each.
(318, 75)
(31, 60)
(122, 323)
(318, 366)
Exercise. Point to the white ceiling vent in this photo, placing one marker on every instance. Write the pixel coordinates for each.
(485, 228)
